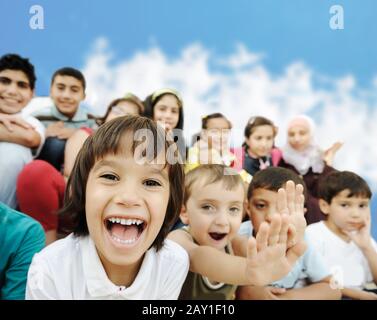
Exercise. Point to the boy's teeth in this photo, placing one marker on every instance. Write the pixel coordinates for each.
(123, 241)
(126, 222)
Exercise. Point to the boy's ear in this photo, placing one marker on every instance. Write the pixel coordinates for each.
(324, 206)
(184, 215)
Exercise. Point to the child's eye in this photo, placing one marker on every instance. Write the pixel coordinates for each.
(363, 206)
(23, 85)
(234, 210)
(260, 206)
(5, 80)
(207, 207)
(109, 176)
(152, 183)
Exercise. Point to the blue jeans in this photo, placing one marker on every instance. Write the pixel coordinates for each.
(53, 152)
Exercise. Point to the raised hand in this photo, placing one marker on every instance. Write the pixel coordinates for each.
(291, 203)
(268, 259)
(362, 236)
(329, 154)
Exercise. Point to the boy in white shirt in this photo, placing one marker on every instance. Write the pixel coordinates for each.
(344, 239)
(121, 204)
(21, 136)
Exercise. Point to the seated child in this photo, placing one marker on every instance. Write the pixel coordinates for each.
(40, 187)
(123, 197)
(344, 238)
(309, 278)
(258, 149)
(64, 117)
(21, 136)
(165, 106)
(212, 209)
(213, 145)
(20, 238)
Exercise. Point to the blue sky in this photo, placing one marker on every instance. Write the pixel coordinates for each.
(283, 32)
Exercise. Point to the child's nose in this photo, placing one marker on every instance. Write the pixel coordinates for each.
(66, 93)
(221, 219)
(355, 213)
(12, 88)
(127, 197)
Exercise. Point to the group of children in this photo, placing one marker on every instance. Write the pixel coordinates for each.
(124, 219)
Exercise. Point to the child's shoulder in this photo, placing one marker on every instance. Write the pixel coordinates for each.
(61, 249)
(174, 252)
(317, 227)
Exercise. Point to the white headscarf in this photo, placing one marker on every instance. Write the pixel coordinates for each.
(311, 157)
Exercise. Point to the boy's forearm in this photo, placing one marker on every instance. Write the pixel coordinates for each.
(316, 291)
(219, 266)
(371, 255)
(25, 137)
(352, 293)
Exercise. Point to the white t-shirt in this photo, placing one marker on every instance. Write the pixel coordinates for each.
(346, 261)
(71, 269)
(309, 268)
(39, 127)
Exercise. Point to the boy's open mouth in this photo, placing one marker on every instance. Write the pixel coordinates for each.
(125, 231)
(217, 236)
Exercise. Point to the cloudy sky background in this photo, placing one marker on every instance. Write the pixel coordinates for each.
(241, 58)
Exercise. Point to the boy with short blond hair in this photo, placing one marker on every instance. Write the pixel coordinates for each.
(212, 210)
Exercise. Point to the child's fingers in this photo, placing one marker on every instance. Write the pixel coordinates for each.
(282, 202)
(296, 252)
(300, 199)
(275, 227)
(262, 236)
(283, 236)
(291, 196)
(252, 248)
(292, 235)
(7, 124)
(274, 290)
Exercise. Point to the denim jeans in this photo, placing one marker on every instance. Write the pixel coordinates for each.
(53, 152)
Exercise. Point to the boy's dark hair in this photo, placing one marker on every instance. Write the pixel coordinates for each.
(68, 71)
(338, 181)
(16, 62)
(273, 178)
(214, 116)
(108, 140)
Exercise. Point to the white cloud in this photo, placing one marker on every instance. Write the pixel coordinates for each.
(244, 88)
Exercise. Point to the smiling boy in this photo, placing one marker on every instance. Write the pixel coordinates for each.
(21, 136)
(62, 119)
